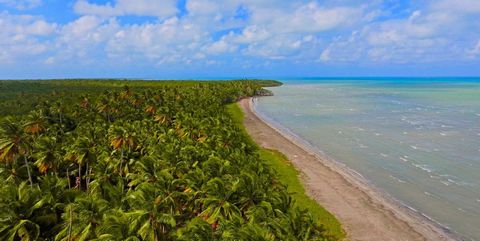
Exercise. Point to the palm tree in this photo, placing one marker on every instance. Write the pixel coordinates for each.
(196, 229)
(189, 172)
(103, 107)
(36, 123)
(17, 207)
(85, 102)
(59, 110)
(151, 108)
(14, 142)
(126, 92)
(54, 197)
(47, 154)
(83, 152)
(81, 218)
(220, 201)
(118, 226)
(151, 203)
(121, 140)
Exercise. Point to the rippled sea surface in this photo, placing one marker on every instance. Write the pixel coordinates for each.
(416, 139)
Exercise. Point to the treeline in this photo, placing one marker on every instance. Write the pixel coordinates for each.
(137, 160)
(18, 97)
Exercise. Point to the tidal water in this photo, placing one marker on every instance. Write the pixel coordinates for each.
(416, 139)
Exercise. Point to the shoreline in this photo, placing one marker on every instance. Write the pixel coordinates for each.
(364, 212)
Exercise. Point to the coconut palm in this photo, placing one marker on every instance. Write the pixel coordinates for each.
(82, 152)
(122, 140)
(47, 153)
(153, 224)
(36, 123)
(152, 160)
(220, 201)
(81, 218)
(14, 143)
(118, 225)
(196, 229)
(17, 208)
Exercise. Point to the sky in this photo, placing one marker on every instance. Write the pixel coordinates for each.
(172, 39)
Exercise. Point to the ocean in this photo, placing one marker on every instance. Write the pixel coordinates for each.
(417, 139)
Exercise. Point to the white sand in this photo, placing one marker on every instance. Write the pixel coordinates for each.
(365, 214)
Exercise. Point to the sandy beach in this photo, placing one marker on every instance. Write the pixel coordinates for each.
(365, 213)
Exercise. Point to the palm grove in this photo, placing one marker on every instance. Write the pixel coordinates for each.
(153, 161)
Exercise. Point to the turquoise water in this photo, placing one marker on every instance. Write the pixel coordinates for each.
(416, 139)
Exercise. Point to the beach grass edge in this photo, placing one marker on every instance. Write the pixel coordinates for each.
(291, 177)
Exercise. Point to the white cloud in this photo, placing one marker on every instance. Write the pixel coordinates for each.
(83, 27)
(287, 32)
(437, 32)
(83, 40)
(203, 7)
(25, 25)
(163, 8)
(285, 47)
(325, 55)
(308, 18)
(39, 27)
(19, 36)
(251, 34)
(220, 47)
(458, 6)
(169, 41)
(22, 4)
(475, 51)
(326, 31)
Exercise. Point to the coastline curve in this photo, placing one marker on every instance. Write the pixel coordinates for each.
(365, 212)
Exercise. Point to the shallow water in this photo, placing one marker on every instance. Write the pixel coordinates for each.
(416, 139)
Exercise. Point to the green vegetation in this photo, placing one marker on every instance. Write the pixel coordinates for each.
(137, 160)
(289, 176)
(268, 83)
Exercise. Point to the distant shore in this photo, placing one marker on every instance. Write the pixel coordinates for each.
(365, 213)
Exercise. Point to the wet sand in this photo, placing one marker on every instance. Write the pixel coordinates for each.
(365, 213)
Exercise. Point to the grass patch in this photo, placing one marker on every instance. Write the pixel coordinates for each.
(290, 177)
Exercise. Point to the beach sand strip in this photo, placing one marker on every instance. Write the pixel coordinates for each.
(365, 213)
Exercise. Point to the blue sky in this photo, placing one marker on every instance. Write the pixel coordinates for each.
(238, 38)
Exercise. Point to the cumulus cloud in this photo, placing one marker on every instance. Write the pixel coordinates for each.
(173, 40)
(458, 6)
(20, 36)
(22, 4)
(220, 47)
(325, 55)
(307, 18)
(251, 34)
(242, 31)
(203, 7)
(163, 8)
(287, 32)
(83, 39)
(475, 51)
(438, 32)
(285, 47)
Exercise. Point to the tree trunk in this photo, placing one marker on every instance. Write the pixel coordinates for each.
(28, 170)
(89, 171)
(68, 179)
(86, 179)
(79, 176)
(121, 162)
(155, 236)
(121, 175)
(70, 225)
